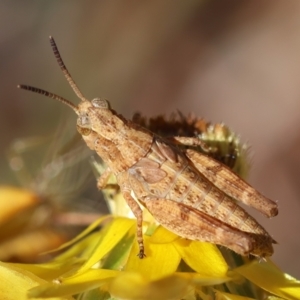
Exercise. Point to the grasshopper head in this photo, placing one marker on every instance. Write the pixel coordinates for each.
(94, 115)
(86, 114)
(97, 116)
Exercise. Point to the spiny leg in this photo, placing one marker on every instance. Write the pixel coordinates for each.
(138, 213)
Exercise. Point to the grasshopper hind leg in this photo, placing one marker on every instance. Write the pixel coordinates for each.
(195, 225)
(102, 182)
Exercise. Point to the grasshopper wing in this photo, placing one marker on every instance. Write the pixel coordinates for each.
(231, 184)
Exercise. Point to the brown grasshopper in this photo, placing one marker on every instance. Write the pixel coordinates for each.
(187, 192)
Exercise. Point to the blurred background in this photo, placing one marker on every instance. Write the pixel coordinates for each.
(235, 62)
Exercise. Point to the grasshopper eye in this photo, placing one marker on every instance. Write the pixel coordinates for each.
(100, 103)
(84, 120)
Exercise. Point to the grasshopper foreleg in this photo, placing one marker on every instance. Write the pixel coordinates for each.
(102, 182)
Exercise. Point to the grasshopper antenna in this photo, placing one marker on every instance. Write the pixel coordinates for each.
(68, 77)
(65, 70)
(48, 94)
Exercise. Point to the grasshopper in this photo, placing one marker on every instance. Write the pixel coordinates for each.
(188, 192)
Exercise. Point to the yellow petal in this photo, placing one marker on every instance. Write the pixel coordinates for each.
(161, 259)
(111, 235)
(227, 296)
(134, 286)
(51, 270)
(163, 236)
(91, 279)
(205, 258)
(201, 280)
(118, 256)
(83, 249)
(14, 200)
(15, 283)
(24, 246)
(270, 278)
(82, 234)
(90, 276)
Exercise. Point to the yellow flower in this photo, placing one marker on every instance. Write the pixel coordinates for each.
(105, 262)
